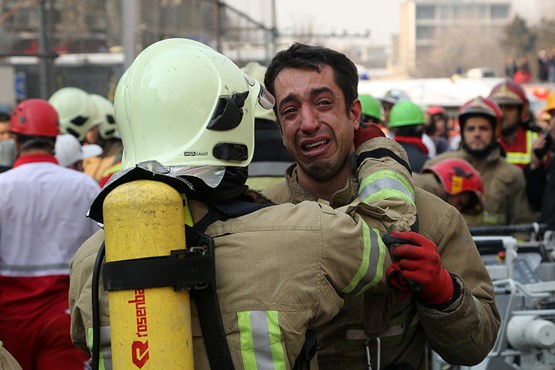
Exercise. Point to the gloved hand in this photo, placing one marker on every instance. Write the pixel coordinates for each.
(363, 134)
(420, 263)
(397, 281)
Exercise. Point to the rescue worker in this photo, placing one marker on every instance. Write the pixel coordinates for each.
(108, 137)
(407, 122)
(270, 157)
(396, 331)
(70, 153)
(287, 261)
(77, 112)
(43, 222)
(455, 181)
(438, 127)
(390, 98)
(517, 132)
(540, 172)
(505, 186)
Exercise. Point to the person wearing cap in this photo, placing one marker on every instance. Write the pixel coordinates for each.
(407, 122)
(43, 208)
(505, 185)
(455, 181)
(70, 153)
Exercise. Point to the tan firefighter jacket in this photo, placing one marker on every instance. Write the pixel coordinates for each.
(462, 333)
(286, 266)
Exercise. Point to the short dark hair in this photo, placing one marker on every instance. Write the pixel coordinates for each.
(314, 58)
(4, 117)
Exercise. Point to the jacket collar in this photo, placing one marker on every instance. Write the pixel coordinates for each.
(35, 158)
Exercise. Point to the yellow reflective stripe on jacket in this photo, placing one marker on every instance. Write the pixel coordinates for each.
(370, 271)
(112, 169)
(260, 340)
(105, 360)
(523, 157)
(494, 218)
(386, 184)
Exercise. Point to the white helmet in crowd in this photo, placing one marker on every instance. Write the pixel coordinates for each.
(107, 127)
(183, 104)
(76, 110)
(69, 150)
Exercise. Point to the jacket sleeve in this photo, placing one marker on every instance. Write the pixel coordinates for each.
(520, 211)
(80, 300)
(386, 182)
(465, 332)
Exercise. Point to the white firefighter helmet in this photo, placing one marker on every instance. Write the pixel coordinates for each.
(183, 104)
(107, 122)
(76, 110)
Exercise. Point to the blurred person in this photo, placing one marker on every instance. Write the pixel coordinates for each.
(270, 159)
(505, 186)
(523, 75)
(43, 209)
(517, 131)
(319, 114)
(455, 181)
(510, 66)
(106, 134)
(276, 299)
(407, 123)
(372, 112)
(4, 126)
(543, 65)
(8, 154)
(552, 65)
(70, 153)
(438, 128)
(77, 112)
(390, 98)
(540, 172)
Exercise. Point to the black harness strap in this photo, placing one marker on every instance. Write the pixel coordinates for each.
(380, 153)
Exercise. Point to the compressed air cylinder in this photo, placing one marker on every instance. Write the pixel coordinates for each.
(150, 328)
(530, 332)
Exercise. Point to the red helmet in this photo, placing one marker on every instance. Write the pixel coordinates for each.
(481, 107)
(35, 117)
(511, 93)
(456, 176)
(436, 110)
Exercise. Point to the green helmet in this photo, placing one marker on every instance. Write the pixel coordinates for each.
(371, 107)
(406, 113)
(107, 127)
(184, 105)
(76, 110)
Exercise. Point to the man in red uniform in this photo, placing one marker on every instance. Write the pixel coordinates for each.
(43, 222)
(517, 133)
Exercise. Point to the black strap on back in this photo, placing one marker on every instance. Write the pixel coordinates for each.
(380, 153)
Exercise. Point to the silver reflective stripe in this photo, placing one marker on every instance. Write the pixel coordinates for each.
(400, 329)
(384, 183)
(261, 340)
(34, 268)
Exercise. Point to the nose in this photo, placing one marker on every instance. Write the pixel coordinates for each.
(309, 120)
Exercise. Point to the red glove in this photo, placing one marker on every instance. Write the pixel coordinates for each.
(420, 262)
(363, 134)
(397, 281)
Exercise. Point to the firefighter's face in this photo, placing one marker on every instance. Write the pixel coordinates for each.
(317, 128)
(478, 133)
(511, 115)
(460, 200)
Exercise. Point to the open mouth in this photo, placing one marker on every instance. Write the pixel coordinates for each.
(313, 146)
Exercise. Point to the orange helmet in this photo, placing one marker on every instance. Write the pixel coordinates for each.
(35, 117)
(511, 93)
(457, 176)
(481, 107)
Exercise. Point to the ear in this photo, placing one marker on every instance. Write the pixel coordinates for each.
(355, 113)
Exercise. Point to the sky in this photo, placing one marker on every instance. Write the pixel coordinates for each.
(380, 17)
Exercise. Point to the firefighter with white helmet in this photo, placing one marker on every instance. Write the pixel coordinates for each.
(77, 112)
(505, 187)
(186, 118)
(108, 137)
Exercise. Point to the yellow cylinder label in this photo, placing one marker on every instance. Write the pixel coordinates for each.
(150, 328)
